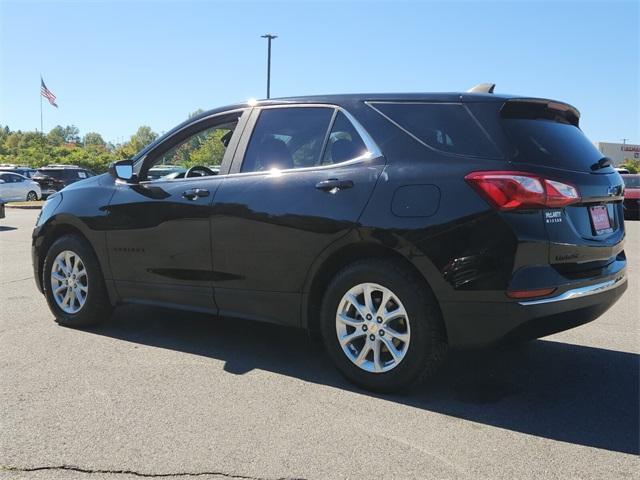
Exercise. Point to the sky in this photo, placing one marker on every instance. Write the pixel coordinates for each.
(117, 65)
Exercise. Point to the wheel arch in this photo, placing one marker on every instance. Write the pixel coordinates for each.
(338, 259)
(58, 227)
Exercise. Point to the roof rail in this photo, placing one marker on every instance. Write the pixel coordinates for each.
(482, 88)
(60, 165)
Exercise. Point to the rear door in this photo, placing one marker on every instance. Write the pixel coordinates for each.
(299, 182)
(546, 139)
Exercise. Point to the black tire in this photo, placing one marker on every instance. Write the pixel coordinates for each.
(97, 307)
(32, 196)
(427, 344)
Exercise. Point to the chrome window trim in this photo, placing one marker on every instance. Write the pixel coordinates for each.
(276, 173)
(373, 151)
(580, 292)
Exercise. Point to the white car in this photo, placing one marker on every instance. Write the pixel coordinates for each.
(18, 188)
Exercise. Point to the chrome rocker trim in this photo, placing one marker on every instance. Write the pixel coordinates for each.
(580, 292)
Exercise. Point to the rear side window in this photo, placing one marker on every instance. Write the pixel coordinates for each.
(344, 142)
(285, 138)
(447, 127)
(552, 144)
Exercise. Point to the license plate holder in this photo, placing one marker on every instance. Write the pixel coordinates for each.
(600, 219)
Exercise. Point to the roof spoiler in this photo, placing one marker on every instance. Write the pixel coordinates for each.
(539, 108)
(482, 88)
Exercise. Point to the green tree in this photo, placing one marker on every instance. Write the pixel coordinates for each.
(56, 135)
(95, 139)
(71, 134)
(632, 165)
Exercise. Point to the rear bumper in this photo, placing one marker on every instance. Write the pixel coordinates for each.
(482, 323)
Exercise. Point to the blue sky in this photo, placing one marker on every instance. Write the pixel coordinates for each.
(117, 65)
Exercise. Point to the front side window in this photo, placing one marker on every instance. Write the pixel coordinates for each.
(448, 127)
(205, 148)
(286, 138)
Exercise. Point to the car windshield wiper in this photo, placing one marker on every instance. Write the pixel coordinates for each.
(602, 163)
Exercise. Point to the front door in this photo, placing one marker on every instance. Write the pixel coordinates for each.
(159, 239)
(299, 185)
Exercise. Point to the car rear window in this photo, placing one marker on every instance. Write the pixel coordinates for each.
(447, 127)
(57, 174)
(552, 144)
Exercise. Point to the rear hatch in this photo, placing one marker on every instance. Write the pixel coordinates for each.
(545, 139)
(50, 179)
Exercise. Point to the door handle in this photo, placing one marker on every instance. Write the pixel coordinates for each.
(333, 185)
(195, 193)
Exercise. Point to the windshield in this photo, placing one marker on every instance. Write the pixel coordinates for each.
(631, 181)
(553, 144)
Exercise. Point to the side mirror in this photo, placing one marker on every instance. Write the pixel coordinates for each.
(122, 170)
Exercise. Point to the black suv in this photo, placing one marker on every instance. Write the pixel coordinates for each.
(394, 225)
(53, 178)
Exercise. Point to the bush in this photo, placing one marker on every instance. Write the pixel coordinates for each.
(632, 165)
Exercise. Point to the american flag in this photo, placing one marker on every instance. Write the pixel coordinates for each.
(46, 93)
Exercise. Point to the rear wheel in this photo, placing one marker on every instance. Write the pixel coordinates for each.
(381, 325)
(32, 196)
(74, 286)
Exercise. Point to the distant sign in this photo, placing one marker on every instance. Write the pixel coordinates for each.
(619, 153)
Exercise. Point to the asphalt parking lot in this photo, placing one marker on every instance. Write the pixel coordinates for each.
(175, 395)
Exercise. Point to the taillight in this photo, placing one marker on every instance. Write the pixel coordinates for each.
(519, 190)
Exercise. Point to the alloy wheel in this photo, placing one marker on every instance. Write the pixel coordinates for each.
(69, 282)
(373, 327)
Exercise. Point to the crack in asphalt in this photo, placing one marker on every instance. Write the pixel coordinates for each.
(74, 468)
(17, 280)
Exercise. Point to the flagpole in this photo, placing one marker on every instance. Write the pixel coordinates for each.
(41, 129)
(41, 125)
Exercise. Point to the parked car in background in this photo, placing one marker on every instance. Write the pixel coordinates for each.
(391, 225)
(202, 172)
(631, 196)
(161, 171)
(621, 170)
(18, 188)
(54, 178)
(19, 169)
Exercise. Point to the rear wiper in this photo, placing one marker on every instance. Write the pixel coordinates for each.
(603, 162)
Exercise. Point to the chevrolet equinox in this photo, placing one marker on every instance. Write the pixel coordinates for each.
(393, 225)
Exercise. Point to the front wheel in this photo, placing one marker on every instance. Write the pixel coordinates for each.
(381, 325)
(32, 196)
(73, 283)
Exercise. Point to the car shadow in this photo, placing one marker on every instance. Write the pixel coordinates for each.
(4, 228)
(571, 393)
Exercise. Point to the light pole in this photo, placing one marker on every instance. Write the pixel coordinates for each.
(269, 37)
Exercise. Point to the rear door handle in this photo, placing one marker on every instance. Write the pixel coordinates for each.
(195, 193)
(334, 184)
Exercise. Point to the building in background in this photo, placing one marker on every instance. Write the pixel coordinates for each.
(619, 152)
